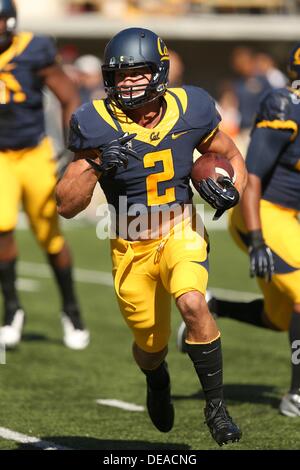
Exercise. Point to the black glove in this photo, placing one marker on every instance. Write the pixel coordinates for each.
(221, 195)
(114, 154)
(261, 258)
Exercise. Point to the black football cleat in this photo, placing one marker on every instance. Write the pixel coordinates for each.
(220, 423)
(160, 408)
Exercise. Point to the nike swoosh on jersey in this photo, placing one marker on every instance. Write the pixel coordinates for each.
(175, 136)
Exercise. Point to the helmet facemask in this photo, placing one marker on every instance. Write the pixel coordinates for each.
(148, 92)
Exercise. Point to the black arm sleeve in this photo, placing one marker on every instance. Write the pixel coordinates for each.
(265, 147)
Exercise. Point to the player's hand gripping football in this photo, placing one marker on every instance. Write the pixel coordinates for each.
(114, 154)
(221, 195)
(261, 258)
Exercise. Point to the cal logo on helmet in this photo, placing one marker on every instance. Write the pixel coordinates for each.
(162, 49)
(294, 63)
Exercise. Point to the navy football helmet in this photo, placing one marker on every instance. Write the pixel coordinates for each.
(294, 63)
(135, 48)
(9, 13)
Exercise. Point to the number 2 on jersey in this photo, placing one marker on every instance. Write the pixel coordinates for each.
(150, 159)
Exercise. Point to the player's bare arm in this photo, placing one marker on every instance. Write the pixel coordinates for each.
(222, 144)
(63, 88)
(250, 203)
(74, 191)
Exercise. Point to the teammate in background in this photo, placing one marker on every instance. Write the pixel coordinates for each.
(266, 225)
(176, 72)
(265, 65)
(228, 108)
(249, 86)
(139, 143)
(28, 170)
(90, 81)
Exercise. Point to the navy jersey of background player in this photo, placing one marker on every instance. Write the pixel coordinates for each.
(278, 170)
(161, 176)
(21, 98)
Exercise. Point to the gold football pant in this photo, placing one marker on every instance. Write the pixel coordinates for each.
(29, 176)
(281, 231)
(147, 273)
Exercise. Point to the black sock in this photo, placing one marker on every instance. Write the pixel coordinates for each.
(65, 283)
(294, 335)
(207, 360)
(158, 378)
(66, 286)
(8, 285)
(246, 312)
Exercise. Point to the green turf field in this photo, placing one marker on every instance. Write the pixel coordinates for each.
(50, 392)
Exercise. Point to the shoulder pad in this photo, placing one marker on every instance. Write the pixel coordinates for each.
(202, 111)
(88, 129)
(42, 51)
(275, 105)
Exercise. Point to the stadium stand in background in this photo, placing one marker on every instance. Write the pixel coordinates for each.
(119, 8)
(179, 7)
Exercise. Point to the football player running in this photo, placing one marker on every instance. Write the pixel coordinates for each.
(28, 170)
(266, 225)
(139, 143)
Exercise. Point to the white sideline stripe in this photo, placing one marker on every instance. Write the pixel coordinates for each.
(228, 294)
(28, 285)
(120, 404)
(34, 441)
(210, 224)
(42, 270)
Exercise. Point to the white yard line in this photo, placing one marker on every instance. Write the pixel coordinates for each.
(28, 285)
(228, 294)
(10, 435)
(104, 278)
(42, 270)
(123, 405)
(211, 225)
